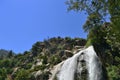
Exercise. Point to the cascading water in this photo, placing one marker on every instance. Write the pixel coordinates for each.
(76, 66)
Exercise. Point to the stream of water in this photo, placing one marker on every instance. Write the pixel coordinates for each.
(84, 62)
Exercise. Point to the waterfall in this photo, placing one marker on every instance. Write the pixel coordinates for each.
(76, 66)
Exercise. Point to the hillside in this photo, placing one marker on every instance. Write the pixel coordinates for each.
(40, 61)
(3, 53)
(36, 63)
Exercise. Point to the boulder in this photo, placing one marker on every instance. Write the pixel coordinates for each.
(68, 53)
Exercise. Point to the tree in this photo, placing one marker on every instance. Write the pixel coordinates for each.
(10, 54)
(36, 48)
(114, 10)
(96, 10)
(3, 74)
(114, 31)
(100, 35)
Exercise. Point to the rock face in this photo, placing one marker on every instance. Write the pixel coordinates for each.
(81, 72)
(68, 53)
(55, 71)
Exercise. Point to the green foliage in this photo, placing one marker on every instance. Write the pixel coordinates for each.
(40, 67)
(95, 9)
(28, 66)
(3, 74)
(55, 59)
(37, 48)
(44, 59)
(5, 63)
(113, 73)
(114, 10)
(22, 75)
(97, 36)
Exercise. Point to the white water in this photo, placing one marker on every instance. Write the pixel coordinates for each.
(73, 65)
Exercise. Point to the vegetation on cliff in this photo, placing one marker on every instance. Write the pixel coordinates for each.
(36, 63)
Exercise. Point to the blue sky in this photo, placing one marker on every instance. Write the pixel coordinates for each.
(24, 22)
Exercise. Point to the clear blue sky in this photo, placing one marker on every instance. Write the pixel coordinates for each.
(23, 22)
